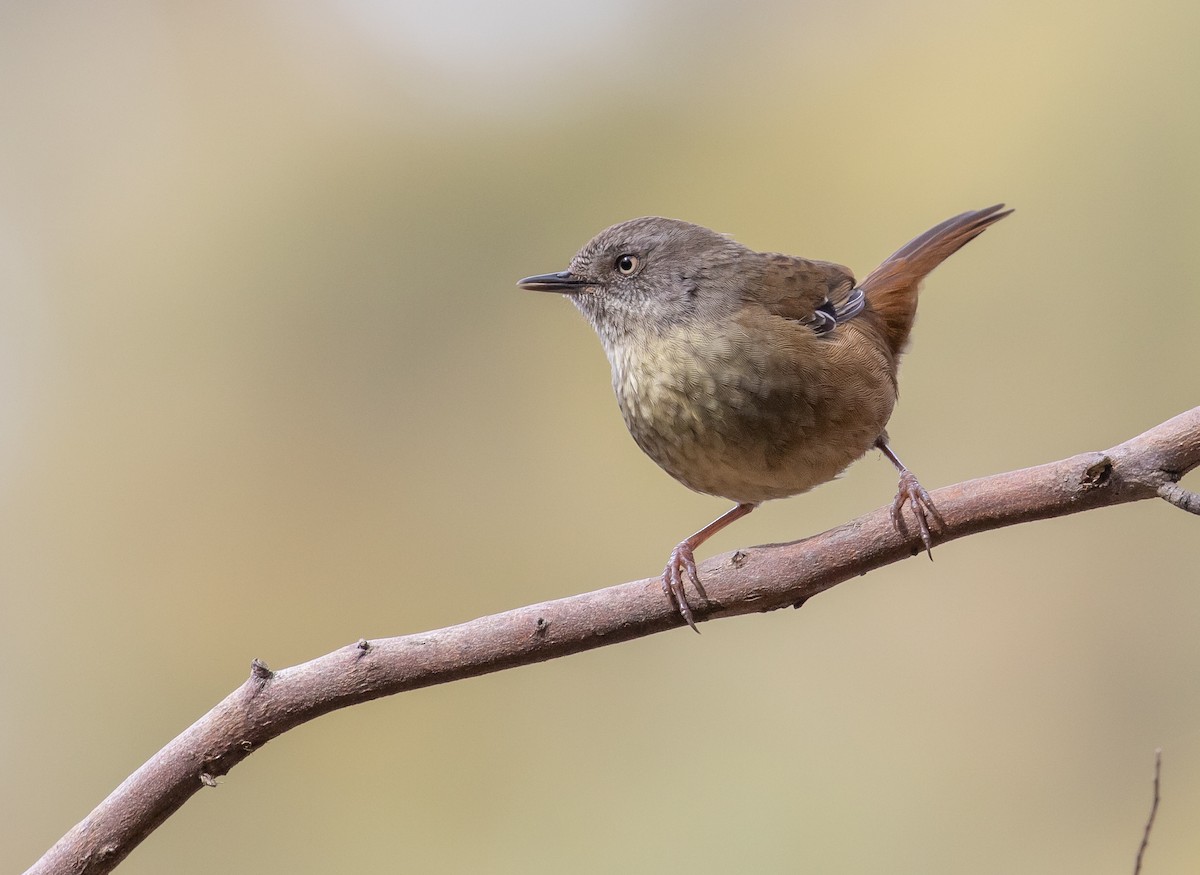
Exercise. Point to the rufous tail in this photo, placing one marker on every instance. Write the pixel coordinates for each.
(891, 288)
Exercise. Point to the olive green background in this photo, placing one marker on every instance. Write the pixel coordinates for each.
(266, 387)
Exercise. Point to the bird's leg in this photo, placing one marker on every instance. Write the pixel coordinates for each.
(683, 560)
(914, 495)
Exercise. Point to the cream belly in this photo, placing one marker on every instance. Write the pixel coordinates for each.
(739, 419)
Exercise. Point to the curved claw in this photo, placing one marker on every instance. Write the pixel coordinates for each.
(912, 493)
(682, 562)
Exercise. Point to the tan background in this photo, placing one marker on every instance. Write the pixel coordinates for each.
(266, 387)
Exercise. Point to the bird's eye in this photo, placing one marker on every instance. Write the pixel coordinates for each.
(627, 264)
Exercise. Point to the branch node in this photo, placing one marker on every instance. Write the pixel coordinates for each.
(363, 646)
(1097, 474)
(1182, 498)
(259, 671)
(208, 780)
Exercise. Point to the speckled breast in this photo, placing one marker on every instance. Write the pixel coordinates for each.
(752, 421)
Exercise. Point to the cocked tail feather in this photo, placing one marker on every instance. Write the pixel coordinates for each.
(891, 289)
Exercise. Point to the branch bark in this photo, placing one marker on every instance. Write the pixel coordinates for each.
(745, 581)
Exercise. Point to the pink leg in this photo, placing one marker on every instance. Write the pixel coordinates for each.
(914, 495)
(683, 561)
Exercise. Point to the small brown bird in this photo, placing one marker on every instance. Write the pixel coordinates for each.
(752, 375)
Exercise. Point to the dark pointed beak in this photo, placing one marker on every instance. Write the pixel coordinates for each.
(564, 282)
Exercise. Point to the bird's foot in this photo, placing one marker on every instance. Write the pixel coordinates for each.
(912, 493)
(681, 564)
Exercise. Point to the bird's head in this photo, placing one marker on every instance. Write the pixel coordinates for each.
(644, 276)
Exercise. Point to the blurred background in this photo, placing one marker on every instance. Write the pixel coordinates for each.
(266, 387)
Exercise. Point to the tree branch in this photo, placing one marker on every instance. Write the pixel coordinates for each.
(1137, 865)
(745, 581)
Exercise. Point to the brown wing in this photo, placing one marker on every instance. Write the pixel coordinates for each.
(815, 293)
